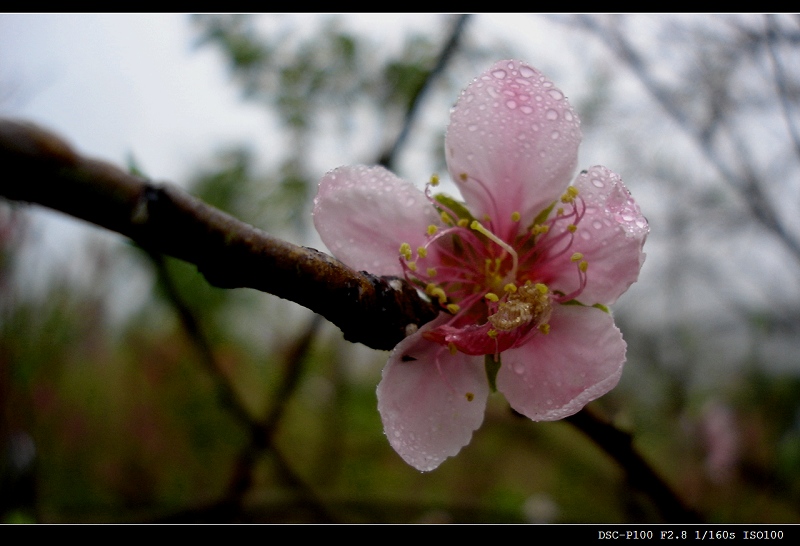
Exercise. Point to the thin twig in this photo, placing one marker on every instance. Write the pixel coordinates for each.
(388, 158)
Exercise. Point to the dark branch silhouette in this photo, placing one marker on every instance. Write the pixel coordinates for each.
(39, 167)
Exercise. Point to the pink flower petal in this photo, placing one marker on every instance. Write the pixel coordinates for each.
(515, 138)
(363, 214)
(610, 236)
(430, 401)
(555, 375)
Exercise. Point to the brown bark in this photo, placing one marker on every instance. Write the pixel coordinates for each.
(39, 167)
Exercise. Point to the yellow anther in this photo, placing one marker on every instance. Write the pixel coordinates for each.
(405, 251)
(462, 222)
(463, 177)
(491, 296)
(412, 266)
(515, 216)
(542, 288)
(439, 293)
(492, 333)
(560, 211)
(538, 229)
(583, 266)
(446, 218)
(544, 328)
(434, 180)
(453, 308)
(510, 288)
(429, 288)
(452, 348)
(432, 229)
(571, 228)
(422, 252)
(576, 257)
(569, 195)
(431, 272)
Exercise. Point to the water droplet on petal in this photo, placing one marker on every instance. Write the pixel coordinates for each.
(473, 127)
(511, 104)
(518, 367)
(556, 94)
(526, 71)
(492, 91)
(568, 115)
(526, 109)
(499, 73)
(597, 224)
(551, 114)
(555, 135)
(597, 182)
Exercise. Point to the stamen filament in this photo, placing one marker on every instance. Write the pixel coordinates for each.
(501, 243)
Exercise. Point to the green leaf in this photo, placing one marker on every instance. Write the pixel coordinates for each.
(456, 207)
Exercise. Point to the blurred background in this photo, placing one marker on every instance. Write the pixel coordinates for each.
(130, 390)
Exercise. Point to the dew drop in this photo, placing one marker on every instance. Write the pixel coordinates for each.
(473, 127)
(555, 135)
(526, 109)
(538, 98)
(499, 73)
(492, 92)
(551, 114)
(511, 104)
(556, 94)
(597, 224)
(568, 115)
(526, 71)
(585, 235)
(519, 367)
(597, 183)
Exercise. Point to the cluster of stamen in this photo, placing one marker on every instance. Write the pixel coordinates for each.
(489, 281)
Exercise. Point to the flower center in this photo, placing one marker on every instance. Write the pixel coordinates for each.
(495, 287)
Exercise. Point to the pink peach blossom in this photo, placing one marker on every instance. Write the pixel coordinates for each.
(523, 269)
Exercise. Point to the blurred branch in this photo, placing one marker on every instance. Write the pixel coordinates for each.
(389, 156)
(230, 507)
(371, 310)
(781, 81)
(746, 181)
(640, 475)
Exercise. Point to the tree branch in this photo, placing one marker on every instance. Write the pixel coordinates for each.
(39, 167)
